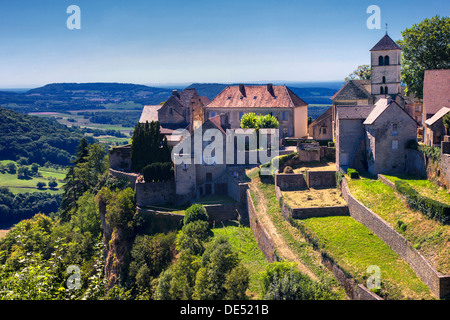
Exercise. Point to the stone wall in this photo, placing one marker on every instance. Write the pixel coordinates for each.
(290, 181)
(439, 284)
(265, 242)
(222, 212)
(155, 193)
(415, 163)
(128, 175)
(310, 212)
(321, 179)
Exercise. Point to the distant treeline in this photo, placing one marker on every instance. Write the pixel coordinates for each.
(124, 119)
(37, 139)
(14, 208)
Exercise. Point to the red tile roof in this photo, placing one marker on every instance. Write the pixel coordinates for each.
(256, 97)
(436, 90)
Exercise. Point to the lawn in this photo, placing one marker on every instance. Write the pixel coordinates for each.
(428, 236)
(16, 185)
(215, 199)
(313, 198)
(243, 242)
(354, 247)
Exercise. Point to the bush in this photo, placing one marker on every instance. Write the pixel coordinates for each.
(339, 176)
(288, 170)
(429, 207)
(353, 173)
(331, 144)
(159, 171)
(194, 213)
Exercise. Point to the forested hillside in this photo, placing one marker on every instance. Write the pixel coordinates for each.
(36, 139)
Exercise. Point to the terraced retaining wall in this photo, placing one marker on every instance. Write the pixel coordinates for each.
(438, 283)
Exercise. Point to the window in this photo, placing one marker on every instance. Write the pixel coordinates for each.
(381, 90)
(386, 60)
(386, 90)
(241, 114)
(394, 129)
(170, 111)
(284, 116)
(212, 114)
(324, 130)
(380, 60)
(384, 79)
(394, 144)
(285, 132)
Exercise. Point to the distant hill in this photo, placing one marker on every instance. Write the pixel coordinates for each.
(114, 88)
(311, 95)
(37, 139)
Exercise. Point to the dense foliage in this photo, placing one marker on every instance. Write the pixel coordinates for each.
(36, 139)
(158, 172)
(282, 281)
(14, 208)
(148, 146)
(425, 46)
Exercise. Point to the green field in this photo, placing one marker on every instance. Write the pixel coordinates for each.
(16, 185)
(354, 247)
(428, 236)
(243, 242)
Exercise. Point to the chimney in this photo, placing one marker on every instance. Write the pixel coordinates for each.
(242, 89)
(270, 89)
(176, 93)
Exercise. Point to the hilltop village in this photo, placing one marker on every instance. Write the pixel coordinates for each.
(373, 137)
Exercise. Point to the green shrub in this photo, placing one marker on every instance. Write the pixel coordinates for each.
(331, 144)
(159, 171)
(339, 176)
(194, 213)
(401, 225)
(429, 207)
(353, 173)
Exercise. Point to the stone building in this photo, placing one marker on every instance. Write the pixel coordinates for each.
(279, 101)
(434, 129)
(436, 91)
(321, 129)
(373, 138)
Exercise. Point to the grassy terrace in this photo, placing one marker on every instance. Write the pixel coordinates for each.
(424, 187)
(354, 247)
(244, 243)
(428, 236)
(291, 236)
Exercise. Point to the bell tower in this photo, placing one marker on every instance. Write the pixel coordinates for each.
(386, 65)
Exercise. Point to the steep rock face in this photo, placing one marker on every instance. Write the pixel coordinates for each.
(117, 248)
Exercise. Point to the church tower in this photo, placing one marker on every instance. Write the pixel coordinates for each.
(385, 62)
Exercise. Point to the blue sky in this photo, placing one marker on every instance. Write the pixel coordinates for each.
(181, 41)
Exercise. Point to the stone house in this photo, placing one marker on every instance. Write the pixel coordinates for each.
(434, 129)
(321, 129)
(279, 101)
(373, 138)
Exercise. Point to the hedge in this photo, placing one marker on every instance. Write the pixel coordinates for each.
(158, 171)
(353, 173)
(429, 207)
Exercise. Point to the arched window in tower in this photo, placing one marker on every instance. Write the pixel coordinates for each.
(380, 61)
(386, 90)
(384, 79)
(386, 60)
(381, 90)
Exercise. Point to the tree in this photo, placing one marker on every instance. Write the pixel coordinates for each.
(194, 213)
(23, 172)
(11, 167)
(40, 185)
(363, 72)
(425, 46)
(53, 184)
(34, 169)
(248, 121)
(446, 120)
(267, 122)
